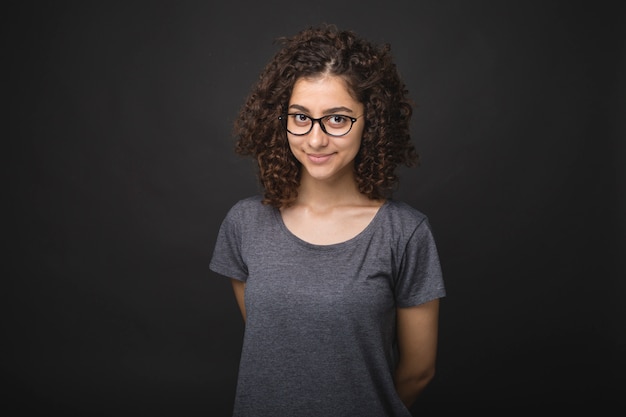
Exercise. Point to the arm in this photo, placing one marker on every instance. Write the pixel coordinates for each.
(239, 288)
(417, 342)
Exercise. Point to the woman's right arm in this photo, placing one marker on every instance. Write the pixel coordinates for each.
(239, 288)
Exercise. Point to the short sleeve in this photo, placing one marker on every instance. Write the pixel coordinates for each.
(227, 256)
(419, 277)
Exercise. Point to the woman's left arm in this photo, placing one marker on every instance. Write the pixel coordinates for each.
(417, 342)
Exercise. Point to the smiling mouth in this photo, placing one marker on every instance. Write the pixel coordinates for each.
(319, 158)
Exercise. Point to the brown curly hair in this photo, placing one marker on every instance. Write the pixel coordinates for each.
(372, 79)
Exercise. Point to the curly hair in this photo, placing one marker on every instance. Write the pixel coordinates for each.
(372, 79)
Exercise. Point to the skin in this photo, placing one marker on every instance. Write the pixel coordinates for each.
(330, 209)
(417, 329)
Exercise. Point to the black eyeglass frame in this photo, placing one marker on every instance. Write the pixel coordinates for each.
(283, 118)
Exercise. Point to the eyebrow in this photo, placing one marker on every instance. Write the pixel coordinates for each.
(332, 110)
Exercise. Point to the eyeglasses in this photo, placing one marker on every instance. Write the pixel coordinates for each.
(333, 125)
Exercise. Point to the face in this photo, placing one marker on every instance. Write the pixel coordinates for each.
(325, 157)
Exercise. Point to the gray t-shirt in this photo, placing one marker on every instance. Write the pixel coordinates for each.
(319, 337)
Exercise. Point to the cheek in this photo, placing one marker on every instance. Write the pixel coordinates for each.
(357, 147)
(355, 143)
(295, 148)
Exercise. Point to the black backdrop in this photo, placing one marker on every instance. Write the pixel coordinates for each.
(120, 169)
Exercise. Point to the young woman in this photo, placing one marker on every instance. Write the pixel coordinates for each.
(338, 283)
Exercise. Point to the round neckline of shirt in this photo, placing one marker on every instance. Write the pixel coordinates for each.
(331, 246)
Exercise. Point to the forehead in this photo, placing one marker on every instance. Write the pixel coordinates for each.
(326, 89)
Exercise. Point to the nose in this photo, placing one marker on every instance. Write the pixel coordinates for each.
(316, 137)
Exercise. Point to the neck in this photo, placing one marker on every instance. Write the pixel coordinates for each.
(329, 193)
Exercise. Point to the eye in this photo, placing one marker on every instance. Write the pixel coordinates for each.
(301, 117)
(337, 120)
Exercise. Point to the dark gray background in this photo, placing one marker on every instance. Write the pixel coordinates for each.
(120, 170)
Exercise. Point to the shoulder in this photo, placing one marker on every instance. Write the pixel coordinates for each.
(402, 213)
(248, 204)
(404, 222)
(248, 208)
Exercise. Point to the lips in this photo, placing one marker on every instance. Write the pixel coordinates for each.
(319, 158)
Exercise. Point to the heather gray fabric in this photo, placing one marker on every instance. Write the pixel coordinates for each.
(320, 333)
